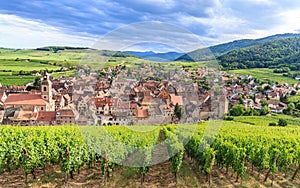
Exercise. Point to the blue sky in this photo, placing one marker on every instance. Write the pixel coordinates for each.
(35, 23)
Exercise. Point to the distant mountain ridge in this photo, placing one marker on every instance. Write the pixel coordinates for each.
(152, 56)
(218, 50)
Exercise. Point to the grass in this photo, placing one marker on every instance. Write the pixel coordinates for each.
(265, 120)
(294, 99)
(16, 80)
(57, 75)
(13, 61)
(264, 74)
(15, 66)
(71, 56)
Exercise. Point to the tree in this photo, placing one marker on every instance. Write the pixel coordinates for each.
(264, 110)
(290, 109)
(177, 112)
(293, 93)
(282, 122)
(37, 83)
(284, 99)
(259, 88)
(237, 110)
(268, 87)
(264, 103)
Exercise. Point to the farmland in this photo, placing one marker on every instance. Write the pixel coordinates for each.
(44, 155)
(264, 74)
(265, 120)
(16, 65)
(14, 62)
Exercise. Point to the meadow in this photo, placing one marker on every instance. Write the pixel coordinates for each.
(16, 65)
(264, 74)
(265, 120)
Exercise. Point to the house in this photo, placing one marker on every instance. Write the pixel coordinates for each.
(273, 95)
(105, 106)
(59, 101)
(142, 113)
(46, 118)
(82, 120)
(25, 115)
(248, 103)
(42, 102)
(276, 106)
(65, 116)
(2, 112)
(3, 97)
(27, 100)
(35, 73)
(17, 89)
(176, 100)
(123, 107)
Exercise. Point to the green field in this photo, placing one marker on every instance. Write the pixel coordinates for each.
(264, 74)
(83, 156)
(294, 99)
(11, 66)
(12, 62)
(16, 80)
(265, 120)
(70, 56)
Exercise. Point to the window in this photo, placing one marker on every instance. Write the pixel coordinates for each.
(42, 108)
(44, 88)
(45, 97)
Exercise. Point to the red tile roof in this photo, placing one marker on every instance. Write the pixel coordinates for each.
(142, 113)
(150, 84)
(176, 99)
(100, 102)
(46, 116)
(66, 113)
(123, 105)
(25, 99)
(133, 105)
(18, 87)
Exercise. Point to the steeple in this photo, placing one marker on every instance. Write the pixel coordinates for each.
(46, 90)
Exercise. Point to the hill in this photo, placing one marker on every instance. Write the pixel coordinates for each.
(264, 55)
(218, 50)
(152, 56)
(16, 65)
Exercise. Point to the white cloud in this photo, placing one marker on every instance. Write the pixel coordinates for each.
(151, 33)
(290, 21)
(16, 32)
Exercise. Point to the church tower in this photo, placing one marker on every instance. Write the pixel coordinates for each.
(46, 90)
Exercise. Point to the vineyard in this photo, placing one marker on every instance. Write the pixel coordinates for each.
(240, 153)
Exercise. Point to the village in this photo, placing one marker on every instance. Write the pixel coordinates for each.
(120, 96)
(113, 98)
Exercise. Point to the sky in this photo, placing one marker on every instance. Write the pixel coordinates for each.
(37, 23)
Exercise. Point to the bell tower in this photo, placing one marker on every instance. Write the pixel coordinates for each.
(46, 90)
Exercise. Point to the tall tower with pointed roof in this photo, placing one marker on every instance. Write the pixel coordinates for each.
(46, 90)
